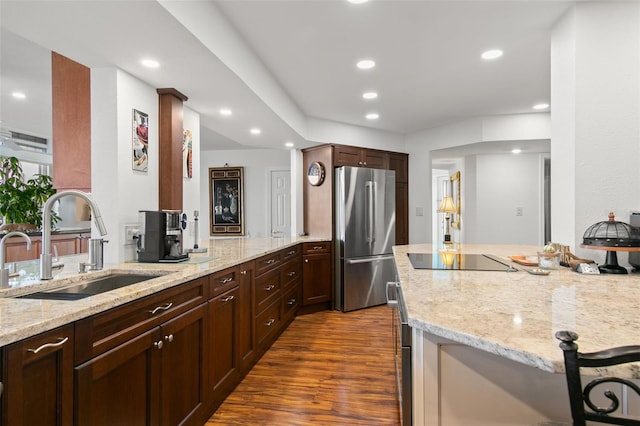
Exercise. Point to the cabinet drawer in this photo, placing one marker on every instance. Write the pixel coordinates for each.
(291, 272)
(317, 247)
(111, 328)
(268, 322)
(267, 263)
(290, 301)
(223, 281)
(267, 288)
(291, 252)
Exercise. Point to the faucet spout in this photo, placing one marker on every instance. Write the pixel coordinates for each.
(4, 273)
(45, 256)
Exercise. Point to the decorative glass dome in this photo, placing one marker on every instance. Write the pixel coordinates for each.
(612, 233)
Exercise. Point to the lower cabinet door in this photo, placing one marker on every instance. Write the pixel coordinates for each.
(121, 386)
(38, 380)
(223, 363)
(183, 388)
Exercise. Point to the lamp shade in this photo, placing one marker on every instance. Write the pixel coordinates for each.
(447, 206)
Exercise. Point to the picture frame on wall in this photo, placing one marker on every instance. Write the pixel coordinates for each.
(226, 201)
(140, 141)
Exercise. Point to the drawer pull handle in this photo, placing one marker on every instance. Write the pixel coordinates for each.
(270, 261)
(292, 252)
(169, 338)
(161, 308)
(158, 344)
(228, 298)
(61, 341)
(269, 322)
(225, 280)
(269, 287)
(291, 302)
(318, 247)
(291, 274)
(243, 272)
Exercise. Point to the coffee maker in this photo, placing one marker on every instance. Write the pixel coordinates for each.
(160, 238)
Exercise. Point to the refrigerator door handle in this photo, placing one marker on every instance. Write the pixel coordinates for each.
(392, 303)
(369, 219)
(368, 259)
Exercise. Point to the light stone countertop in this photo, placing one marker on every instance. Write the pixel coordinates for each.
(22, 318)
(515, 314)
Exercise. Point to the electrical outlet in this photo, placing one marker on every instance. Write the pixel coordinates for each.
(518, 211)
(130, 231)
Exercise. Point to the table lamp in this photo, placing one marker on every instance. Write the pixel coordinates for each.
(447, 207)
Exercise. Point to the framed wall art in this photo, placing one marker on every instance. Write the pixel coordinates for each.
(226, 201)
(140, 142)
(187, 154)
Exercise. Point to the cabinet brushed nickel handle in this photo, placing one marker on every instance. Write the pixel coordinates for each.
(161, 308)
(158, 344)
(225, 280)
(168, 338)
(269, 322)
(243, 272)
(61, 341)
(291, 301)
(270, 261)
(306, 261)
(291, 274)
(292, 252)
(270, 287)
(318, 247)
(228, 298)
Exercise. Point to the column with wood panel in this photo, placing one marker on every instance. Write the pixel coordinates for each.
(170, 147)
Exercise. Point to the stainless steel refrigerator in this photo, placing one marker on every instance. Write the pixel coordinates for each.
(365, 215)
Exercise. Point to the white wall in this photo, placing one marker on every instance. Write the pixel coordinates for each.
(504, 183)
(257, 163)
(191, 187)
(484, 129)
(596, 119)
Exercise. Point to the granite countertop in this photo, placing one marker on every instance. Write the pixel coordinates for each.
(515, 314)
(22, 318)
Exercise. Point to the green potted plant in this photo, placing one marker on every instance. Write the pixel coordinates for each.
(21, 201)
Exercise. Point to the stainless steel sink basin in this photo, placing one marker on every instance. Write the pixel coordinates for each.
(93, 287)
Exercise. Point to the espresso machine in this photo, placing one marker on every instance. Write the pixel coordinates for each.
(160, 238)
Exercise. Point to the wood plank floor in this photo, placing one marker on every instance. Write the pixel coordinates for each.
(327, 368)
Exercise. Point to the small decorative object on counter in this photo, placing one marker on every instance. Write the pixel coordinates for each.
(549, 258)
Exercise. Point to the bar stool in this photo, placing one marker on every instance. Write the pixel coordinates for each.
(582, 406)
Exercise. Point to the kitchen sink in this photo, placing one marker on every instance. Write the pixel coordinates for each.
(93, 287)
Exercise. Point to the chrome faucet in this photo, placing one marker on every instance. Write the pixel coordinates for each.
(45, 256)
(4, 272)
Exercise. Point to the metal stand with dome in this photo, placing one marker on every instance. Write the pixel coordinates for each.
(612, 236)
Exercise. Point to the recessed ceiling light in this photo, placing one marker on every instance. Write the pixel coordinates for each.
(289, 144)
(255, 131)
(372, 116)
(225, 111)
(357, 1)
(492, 54)
(150, 63)
(541, 106)
(366, 64)
(19, 95)
(369, 95)
(516, 151)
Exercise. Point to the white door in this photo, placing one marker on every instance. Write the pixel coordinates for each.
(280, 203)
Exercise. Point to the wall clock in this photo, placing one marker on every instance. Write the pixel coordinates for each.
(315, 173)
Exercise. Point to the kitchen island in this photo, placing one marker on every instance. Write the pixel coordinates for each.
(484, 351)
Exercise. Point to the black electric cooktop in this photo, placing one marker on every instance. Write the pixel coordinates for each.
(461, 262)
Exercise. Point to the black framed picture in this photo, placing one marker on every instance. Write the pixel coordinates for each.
(226, 201)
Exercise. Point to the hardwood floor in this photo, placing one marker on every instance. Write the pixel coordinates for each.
(327, 368)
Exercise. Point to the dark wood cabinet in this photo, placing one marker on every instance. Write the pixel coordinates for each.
(38, 379)
(400, 163)
(317, 277)
(402, 213)
(246, 328)
(154, 378)
(224, 333)
(359, 157)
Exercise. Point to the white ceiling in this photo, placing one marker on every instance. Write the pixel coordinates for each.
(283, 62)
